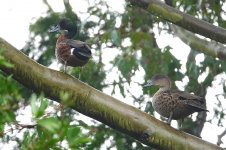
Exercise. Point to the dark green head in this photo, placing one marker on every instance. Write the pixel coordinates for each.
(65, 24)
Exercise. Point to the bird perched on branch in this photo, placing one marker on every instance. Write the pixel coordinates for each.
(172, 103)
(70, 52)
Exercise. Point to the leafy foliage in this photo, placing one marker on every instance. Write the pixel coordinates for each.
(9, 98)
(130, 34)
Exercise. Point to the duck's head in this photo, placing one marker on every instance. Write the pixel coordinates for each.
(161, 81)
(65, 25)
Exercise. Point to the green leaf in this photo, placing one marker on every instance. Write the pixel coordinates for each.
(115, 38)
(34, 107)
(3, 62)
(38, 109)
(74, 138)
(73, 131)
(51, 124)
(43, 106)
(80, 141)
(193, 70)
(141, 40)
(121, 87)
(127, 64)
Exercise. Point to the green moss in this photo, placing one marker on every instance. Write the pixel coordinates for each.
(164, 13)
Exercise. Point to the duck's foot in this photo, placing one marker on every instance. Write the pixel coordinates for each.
(65, 67)
(80, 72)
(180, 123)
(170, 118)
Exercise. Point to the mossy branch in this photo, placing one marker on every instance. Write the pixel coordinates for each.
(181, 19)
(211, 48)
(96, 104)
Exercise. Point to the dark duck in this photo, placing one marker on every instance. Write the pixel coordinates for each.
(172, 103)
(70, 52)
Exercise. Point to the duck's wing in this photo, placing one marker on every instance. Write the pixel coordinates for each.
(190, 99)
(81, 49)
(75, 43)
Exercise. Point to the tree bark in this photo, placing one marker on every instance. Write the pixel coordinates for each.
(96, 104)
(181, 19)
(210, 48)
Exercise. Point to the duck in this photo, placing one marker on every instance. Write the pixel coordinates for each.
(172, 103)
(70, 52)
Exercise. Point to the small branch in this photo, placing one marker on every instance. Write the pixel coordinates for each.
(18, 127)
(219, 137)
(115, 83)
(48, 5)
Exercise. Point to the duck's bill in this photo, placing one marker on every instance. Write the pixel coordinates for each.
(54, 28)
(149, 83)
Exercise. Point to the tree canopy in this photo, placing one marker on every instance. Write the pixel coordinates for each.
(126, 53)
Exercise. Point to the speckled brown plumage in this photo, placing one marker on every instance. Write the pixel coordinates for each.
(171, 103)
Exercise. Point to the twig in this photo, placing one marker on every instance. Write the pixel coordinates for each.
(18, 127)
(219, 137)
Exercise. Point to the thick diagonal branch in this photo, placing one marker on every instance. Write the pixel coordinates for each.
(181, 19)
(96, 104)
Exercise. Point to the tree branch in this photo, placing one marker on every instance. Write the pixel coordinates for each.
(181, 19)
(48, 5)
(210, 48)
(96, 104)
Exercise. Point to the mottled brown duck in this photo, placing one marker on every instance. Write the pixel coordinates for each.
(172, 103)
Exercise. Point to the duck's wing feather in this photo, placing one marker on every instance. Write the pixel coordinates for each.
(75, 43)
(81, 49)
(190, 99)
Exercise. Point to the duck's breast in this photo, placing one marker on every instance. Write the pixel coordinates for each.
(63, 50)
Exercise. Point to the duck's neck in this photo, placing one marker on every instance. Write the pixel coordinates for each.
(166, 86)
(71, 32)
(61, 38)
